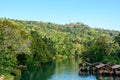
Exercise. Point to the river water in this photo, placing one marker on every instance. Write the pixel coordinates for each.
(66, 69)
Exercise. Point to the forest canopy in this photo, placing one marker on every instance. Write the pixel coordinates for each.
(24, 41)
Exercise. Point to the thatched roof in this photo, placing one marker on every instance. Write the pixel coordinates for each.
(115, 66)
(97, 63)
(85, 64)
(100, 65)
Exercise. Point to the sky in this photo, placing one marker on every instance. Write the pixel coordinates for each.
(95, 13)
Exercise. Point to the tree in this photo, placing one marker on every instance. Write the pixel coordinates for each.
(9, 34)
(117, 39)
(100, 47)
(39, 48)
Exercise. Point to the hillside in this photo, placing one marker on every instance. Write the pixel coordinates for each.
(23, 41)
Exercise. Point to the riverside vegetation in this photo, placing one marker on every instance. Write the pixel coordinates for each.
(22, 42)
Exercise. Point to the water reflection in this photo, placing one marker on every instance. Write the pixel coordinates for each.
(61, 70)
(101, 77)
(41, 72)
(65, 70)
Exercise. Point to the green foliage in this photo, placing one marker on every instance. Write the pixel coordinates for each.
(117, 39)
(39, 48)
(111, 59)
(11, 44)
(26, 41)
(100, 49)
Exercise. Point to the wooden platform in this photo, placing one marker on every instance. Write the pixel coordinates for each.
(100, 68)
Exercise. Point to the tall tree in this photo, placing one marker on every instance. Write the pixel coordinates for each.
(39, 48)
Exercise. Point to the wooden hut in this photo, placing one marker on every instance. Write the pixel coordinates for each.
(96, 66)
(99, 68)
(84, 67)
(103, 69)
(116, 69)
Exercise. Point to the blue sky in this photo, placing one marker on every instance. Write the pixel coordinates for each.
(95, 13)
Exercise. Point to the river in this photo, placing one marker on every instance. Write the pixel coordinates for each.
(66, 69)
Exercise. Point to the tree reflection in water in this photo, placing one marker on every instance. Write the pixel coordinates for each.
(61, 70)
(103, 77)
(41, 72)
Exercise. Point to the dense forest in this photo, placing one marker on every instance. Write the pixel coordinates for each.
(22, 42)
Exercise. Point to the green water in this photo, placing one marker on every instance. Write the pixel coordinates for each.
(60, 70)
